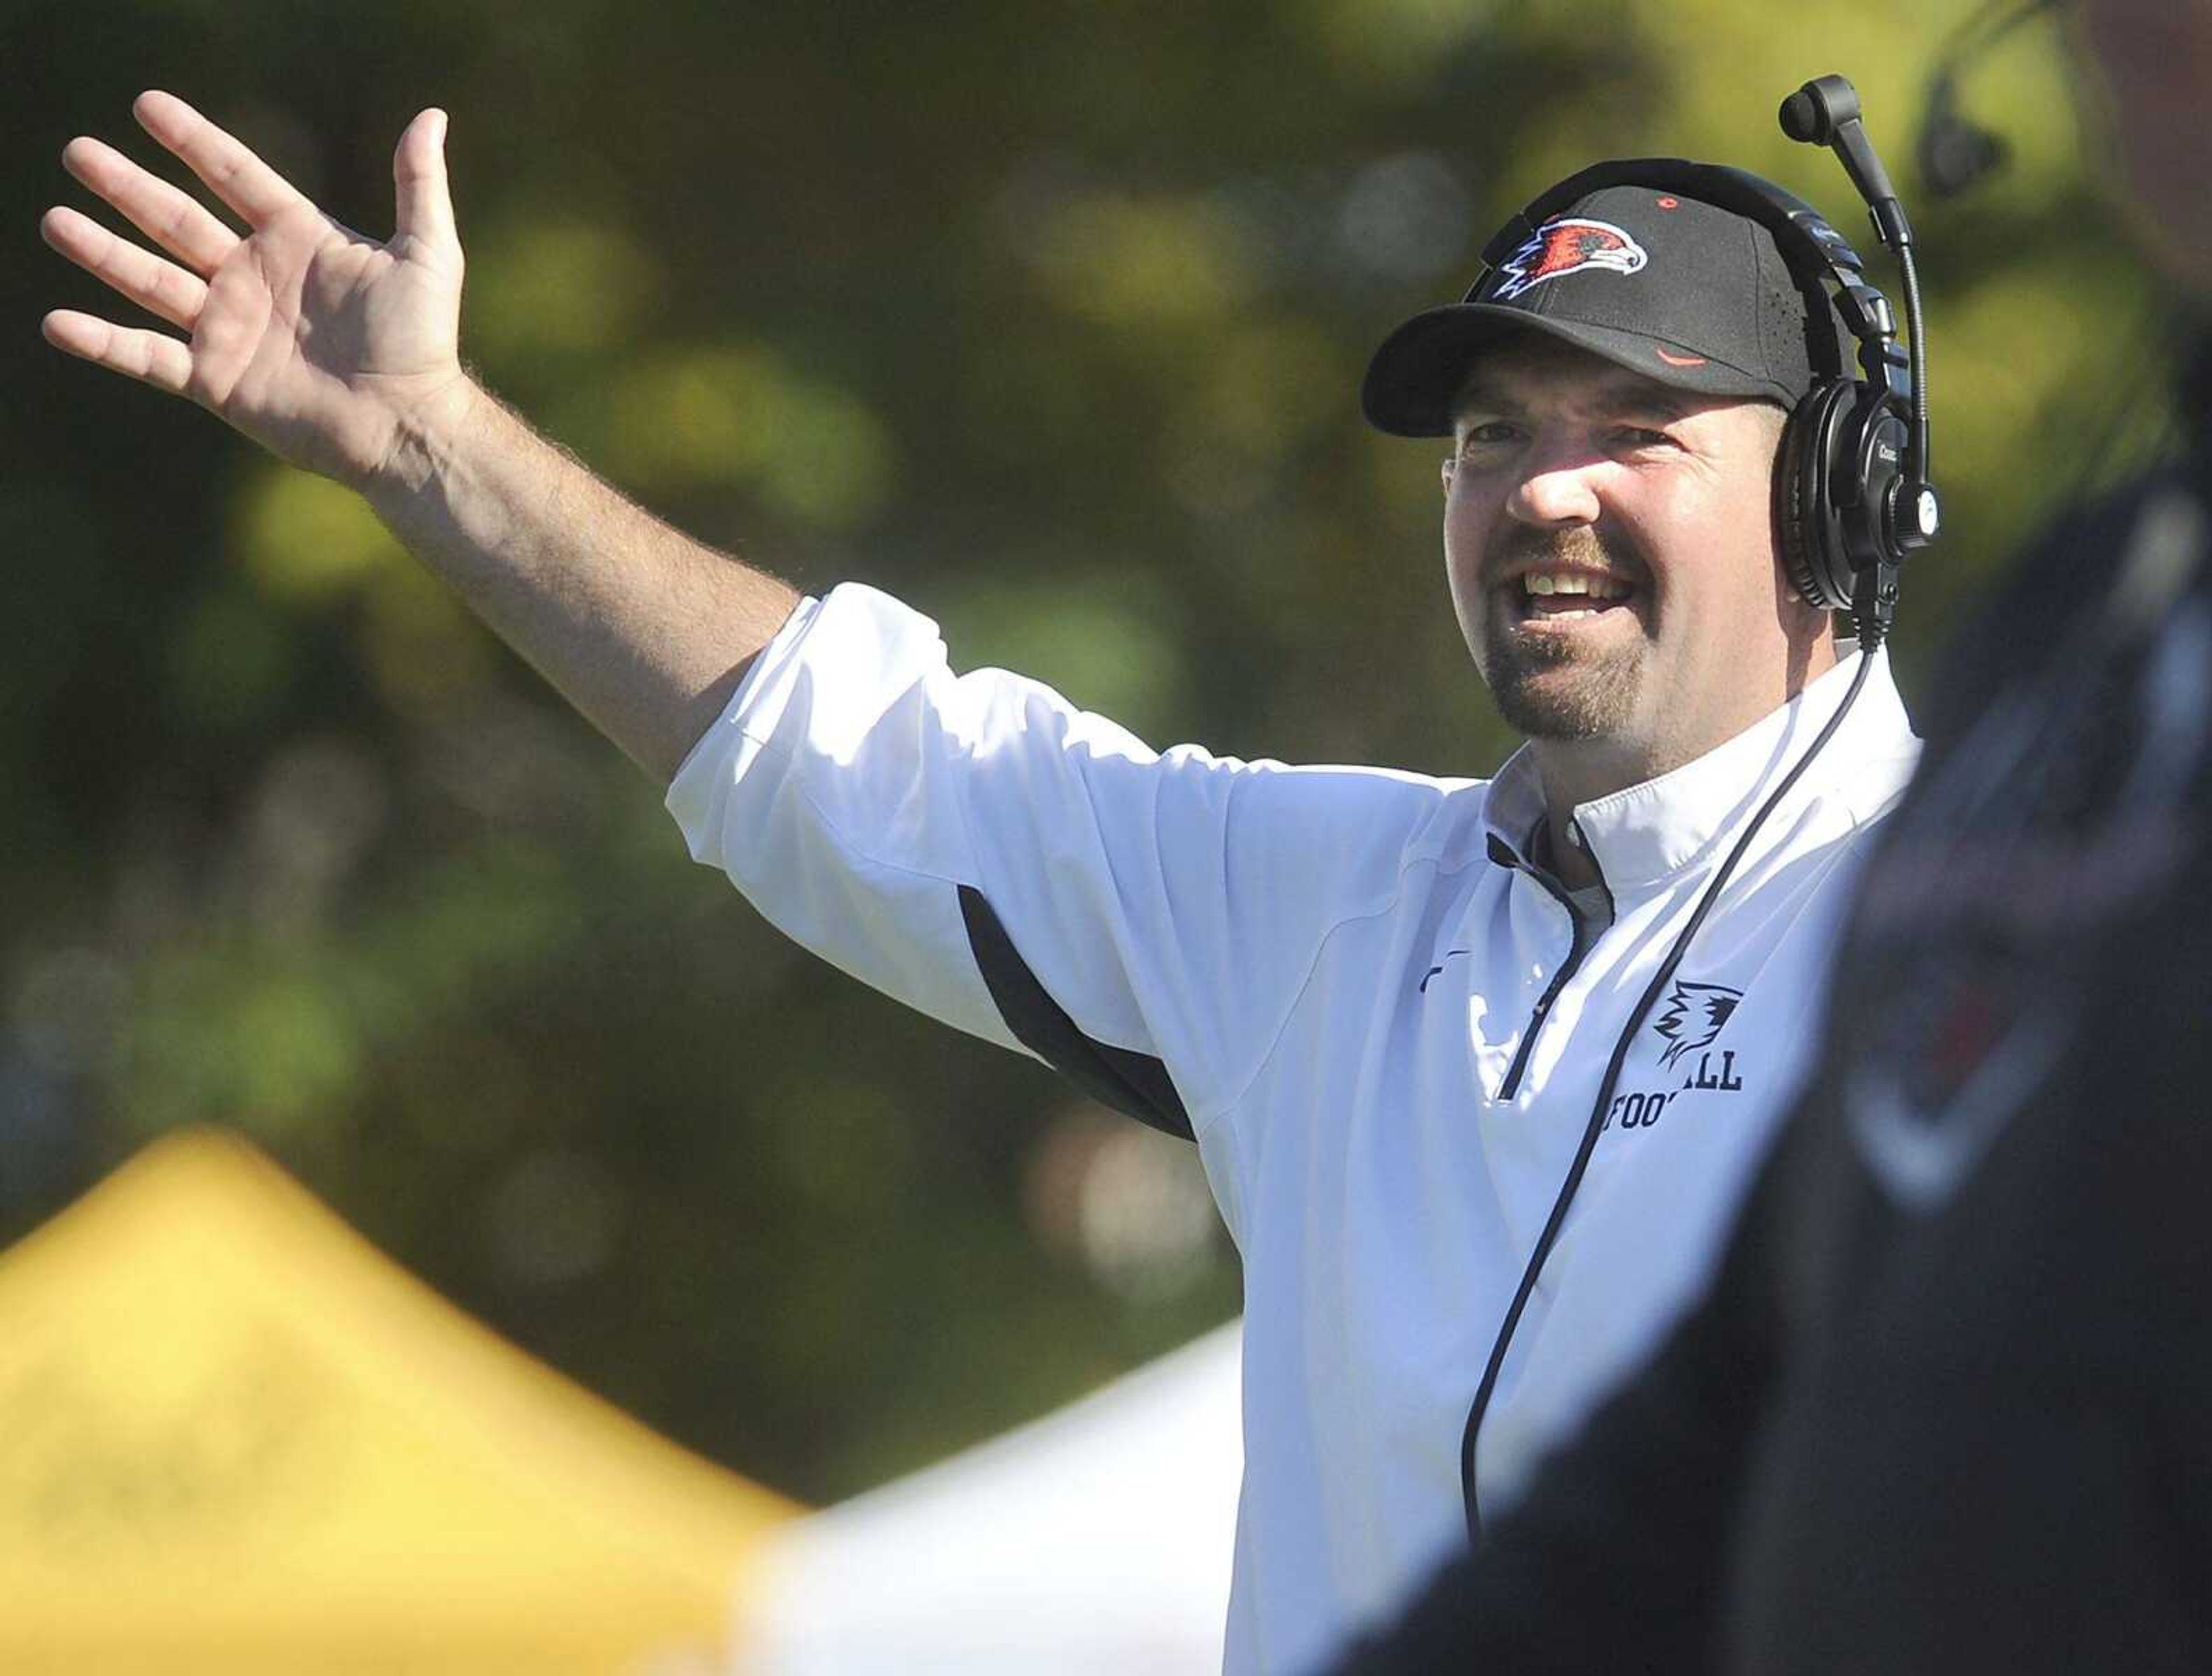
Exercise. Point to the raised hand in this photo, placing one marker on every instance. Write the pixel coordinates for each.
(320, 345)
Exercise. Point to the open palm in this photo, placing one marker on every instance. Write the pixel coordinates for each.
(314, 341)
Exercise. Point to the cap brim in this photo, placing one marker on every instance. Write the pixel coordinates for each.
(1411, 382)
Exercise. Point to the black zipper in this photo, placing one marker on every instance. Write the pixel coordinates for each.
(1585, 940)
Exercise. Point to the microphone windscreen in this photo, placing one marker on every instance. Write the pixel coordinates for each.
(1800, 117)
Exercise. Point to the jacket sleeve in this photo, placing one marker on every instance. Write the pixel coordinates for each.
(981, 849)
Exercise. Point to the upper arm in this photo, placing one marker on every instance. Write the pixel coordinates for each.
(881, 809)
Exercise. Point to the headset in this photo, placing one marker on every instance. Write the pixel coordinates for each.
(1851, 494)
(1851, 499)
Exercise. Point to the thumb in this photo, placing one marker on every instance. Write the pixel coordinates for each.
(418, 171)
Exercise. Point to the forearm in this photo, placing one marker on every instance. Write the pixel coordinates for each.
(645, 631)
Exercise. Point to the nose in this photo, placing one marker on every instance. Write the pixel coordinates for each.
(1554, 493)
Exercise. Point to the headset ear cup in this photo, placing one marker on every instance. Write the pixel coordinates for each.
(1806, 526)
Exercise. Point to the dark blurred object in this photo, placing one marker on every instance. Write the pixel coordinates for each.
(1956, 152)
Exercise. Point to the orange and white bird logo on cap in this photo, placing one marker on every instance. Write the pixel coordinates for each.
(1569, 245)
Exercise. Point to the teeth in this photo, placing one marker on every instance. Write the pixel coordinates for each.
(1597, 588)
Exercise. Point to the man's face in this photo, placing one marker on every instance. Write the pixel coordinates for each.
(1609, 546)
(2155, 60)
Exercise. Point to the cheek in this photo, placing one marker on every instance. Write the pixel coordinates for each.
(1710, 549)
(1465, 533)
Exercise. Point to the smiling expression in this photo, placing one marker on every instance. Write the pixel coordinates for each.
(1610, 549)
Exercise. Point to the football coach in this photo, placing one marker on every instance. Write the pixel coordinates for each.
(1944, 1408)
(1476, 1068)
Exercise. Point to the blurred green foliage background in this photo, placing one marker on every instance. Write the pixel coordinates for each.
(1049, 317)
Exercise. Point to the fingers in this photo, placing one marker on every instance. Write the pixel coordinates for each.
(174, 220)
(148, 356)
(419, 171)
(235, 175)
(159, 287)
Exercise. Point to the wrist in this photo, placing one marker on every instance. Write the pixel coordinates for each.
(427, 434)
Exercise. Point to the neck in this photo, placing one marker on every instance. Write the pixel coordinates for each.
(1575, 772)
(1564, 791)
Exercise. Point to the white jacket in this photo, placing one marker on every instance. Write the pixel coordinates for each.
(1358, 996)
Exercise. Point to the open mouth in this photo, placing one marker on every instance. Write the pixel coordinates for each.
(1561, 596)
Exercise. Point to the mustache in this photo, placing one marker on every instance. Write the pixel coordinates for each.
(1585, 546)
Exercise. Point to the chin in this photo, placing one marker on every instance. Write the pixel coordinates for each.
(1558, 700)
(1592, 707)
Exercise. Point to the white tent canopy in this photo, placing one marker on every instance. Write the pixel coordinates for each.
(1095, 1540)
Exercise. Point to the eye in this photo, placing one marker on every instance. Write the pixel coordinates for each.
(1491, 433)
(1640, 436)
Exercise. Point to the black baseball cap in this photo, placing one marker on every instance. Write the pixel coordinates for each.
(1685, 292)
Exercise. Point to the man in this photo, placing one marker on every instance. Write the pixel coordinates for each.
(1945, 1407)
(1382, 1005)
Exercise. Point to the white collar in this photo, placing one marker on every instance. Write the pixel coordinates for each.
(1643, 834)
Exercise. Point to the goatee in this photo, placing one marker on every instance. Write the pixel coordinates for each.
(1546, 687)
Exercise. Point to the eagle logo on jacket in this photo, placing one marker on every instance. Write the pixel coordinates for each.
(1694, 1014)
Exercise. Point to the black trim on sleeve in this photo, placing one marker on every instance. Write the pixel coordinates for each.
(1134, 1084)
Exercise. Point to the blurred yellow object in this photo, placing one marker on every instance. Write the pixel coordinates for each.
(235, 1438)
